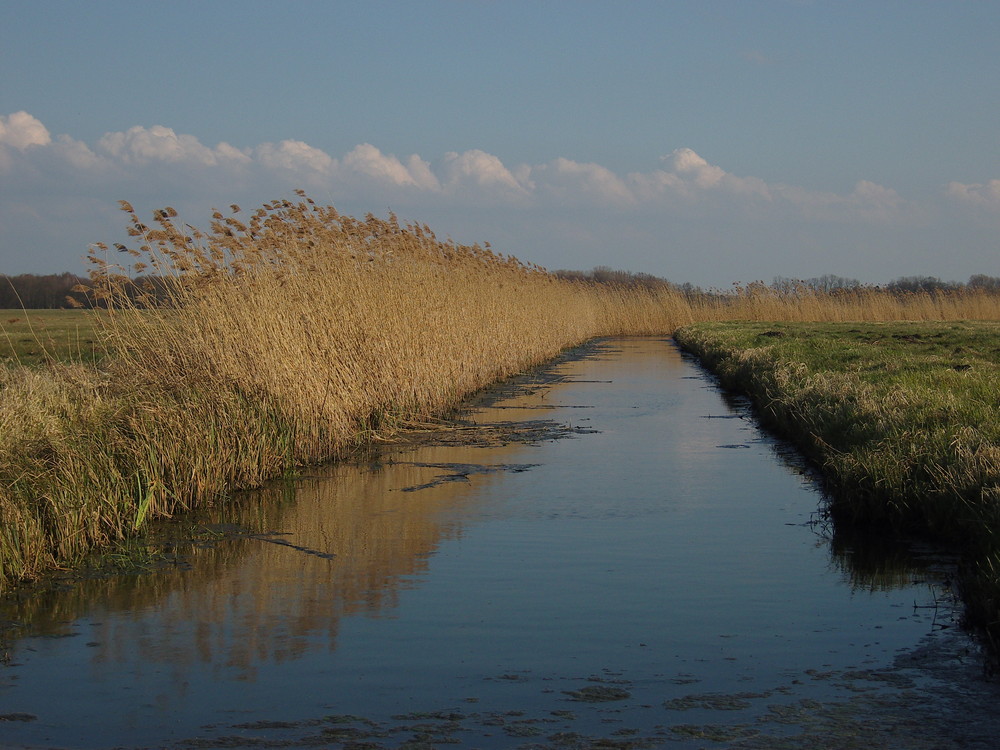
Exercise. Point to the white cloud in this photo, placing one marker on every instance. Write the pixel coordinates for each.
(20, 130)
(369, 161)
(683, 201)
(294, 156)
(572, 182)
(685, 181)
(875, 200)
(76, 153)
(478, 169)
(976, 194)
(696, 171)
(689, 166)
(868, 201)
(655, 185)
(227, 153)
(421, 172)
(139, 145)
(690, 177)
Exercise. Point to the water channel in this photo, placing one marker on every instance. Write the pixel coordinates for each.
(607, 554)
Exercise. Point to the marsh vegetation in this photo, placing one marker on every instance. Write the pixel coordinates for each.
(902, 418)
(292, 336)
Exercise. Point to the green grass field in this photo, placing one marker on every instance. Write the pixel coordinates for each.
(903, 419)
(32, 337)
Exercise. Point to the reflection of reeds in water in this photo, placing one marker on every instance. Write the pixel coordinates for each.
(871, 562)
(259, 594)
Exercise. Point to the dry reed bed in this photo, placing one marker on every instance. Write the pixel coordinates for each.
(292, 337)
(286, 340)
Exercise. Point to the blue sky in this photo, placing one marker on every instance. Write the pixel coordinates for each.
(703, 141)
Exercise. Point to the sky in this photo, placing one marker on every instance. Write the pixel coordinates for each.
(705, 141)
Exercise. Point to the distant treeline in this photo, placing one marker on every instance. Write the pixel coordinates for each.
(607, 275)
(34, 292)
(37, 292)
(902, 285)
(56, 290)
(824, 284)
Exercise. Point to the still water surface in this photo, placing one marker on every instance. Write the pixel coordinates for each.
(643, 569)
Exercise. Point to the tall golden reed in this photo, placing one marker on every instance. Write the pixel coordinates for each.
(292, 337)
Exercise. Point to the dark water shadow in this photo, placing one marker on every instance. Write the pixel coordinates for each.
(871, 558)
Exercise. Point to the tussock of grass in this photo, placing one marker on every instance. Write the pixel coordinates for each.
(903, 419)
(291, 336)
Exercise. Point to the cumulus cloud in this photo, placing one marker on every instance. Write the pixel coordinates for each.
(20, 130)
(422, 174)
(574, 182)
(976, 194)
(294, 156)
(875, 200)
(695, 170)
(686, 164)
(867, 201)
(684, 181)
(369, 161)
(688, 176)
(76, 153)
(139, 145)
(158, 166)
(480, 170)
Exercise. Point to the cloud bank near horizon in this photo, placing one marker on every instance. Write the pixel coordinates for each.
(54, 181)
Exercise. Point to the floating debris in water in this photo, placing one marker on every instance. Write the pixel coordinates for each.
(598, 694)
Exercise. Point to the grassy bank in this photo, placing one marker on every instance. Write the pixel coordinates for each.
(902, 418)
(291, 336)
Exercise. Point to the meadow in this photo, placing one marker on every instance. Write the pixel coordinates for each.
(37, 336)
(292, 336)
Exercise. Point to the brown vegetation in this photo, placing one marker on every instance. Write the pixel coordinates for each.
(294, 335)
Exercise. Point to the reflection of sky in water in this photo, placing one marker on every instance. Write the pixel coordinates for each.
(650, 549)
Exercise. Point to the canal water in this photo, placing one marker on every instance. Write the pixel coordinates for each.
(608, 553)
